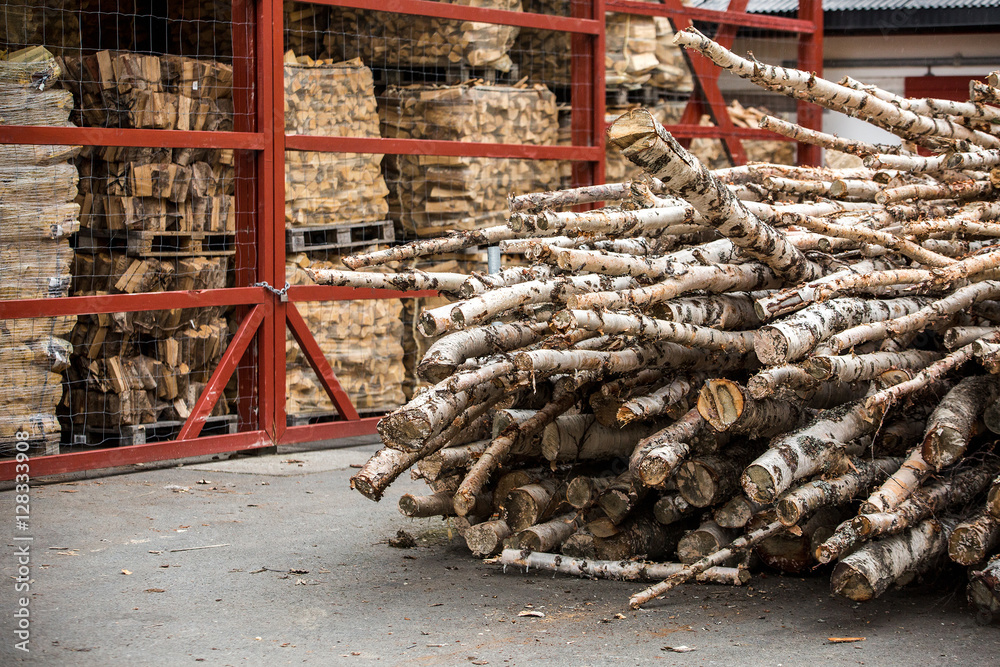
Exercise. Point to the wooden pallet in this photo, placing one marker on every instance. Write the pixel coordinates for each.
(140, 434)
(450, 75)
(157, 243)
(331, 237)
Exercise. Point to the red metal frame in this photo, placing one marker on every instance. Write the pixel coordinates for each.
(708, 97)
(257, 352)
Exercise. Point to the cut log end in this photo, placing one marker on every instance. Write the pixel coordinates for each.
(720, 403)
(851, 584)
(629, 129)
(696, 484)
(759, 484)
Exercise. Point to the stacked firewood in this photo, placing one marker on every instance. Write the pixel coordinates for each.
(125, 89)
(152, 220)
(437, 194)
(796, 363)
(37, 217)
(391, 40)
(331, 188)
(639, 51)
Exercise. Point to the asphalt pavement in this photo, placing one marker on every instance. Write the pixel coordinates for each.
(274, 560)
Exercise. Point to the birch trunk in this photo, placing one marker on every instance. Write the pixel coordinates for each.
(708, 480)
(550, 535)
(795, 336)
(447, 354)
(616, 569)
(644, 141)
(486, 538)
(804, 452)
(974, 539)
(869, 571)
(810, 497)
(727, 407)
(955, 420)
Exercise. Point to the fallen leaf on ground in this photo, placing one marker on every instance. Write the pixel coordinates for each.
(155, 590)
(678, 649)
(844, 640)
(531, 612)
(126, 572)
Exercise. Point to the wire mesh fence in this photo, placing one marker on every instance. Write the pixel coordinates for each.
(108, 220)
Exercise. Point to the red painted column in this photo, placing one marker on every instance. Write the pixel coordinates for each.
(811, 60)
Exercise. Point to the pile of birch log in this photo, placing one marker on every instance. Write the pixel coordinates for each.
(763, 362)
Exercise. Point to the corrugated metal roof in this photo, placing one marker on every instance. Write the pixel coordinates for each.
(785, 6)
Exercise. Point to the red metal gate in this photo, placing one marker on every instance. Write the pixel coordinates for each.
(256, 352)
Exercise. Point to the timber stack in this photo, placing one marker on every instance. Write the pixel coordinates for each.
(433, 195)
(335, 203)
(38, 215)
(639, 53)
(325, 191)
(152, 220)
(795, 362)
(440, 47)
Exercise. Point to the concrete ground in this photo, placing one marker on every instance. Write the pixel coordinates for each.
(273, 560)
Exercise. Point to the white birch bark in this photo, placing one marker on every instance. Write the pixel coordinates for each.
(451, 243)
(852, 368)
(690, 335)
(613, 569)
(803, 500)
(869, 571)
(807, 86)
(403, 281)
(795, 336)
(806, 451)
(644, 141)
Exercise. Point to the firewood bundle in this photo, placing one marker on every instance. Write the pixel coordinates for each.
(797, 363)
(638, 51)
(437, 194)
(143, 367)
(38, 185)
(391, 40)
(125, 89)
(331, 188)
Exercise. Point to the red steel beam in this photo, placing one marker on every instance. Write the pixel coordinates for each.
(246, 66)
(330, 430)
(810, 60)
(706, 76)
(299, 293)
(119, 303)
(105, 136)
(220, 377)
(725, 35)
(728, 17)
(58, 464)
(301, 142)
(455, 12)
(272, 232)
(587, 98)
(327, 378)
